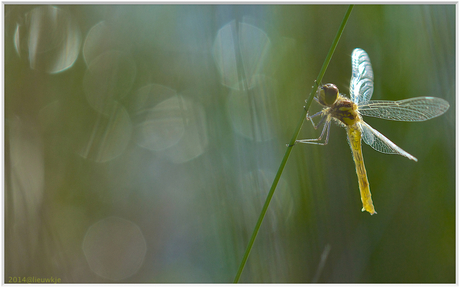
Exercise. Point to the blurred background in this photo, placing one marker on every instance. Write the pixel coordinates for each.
(141, 142)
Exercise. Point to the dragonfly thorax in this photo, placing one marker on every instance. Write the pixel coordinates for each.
(345, 110)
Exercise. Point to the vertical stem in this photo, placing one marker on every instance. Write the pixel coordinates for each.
(291, 144)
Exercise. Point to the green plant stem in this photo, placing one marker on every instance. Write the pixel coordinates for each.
(291, 144)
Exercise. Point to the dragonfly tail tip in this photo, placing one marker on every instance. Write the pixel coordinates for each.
(370, 212)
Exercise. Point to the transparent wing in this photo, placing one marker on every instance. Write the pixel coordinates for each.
(381, 143)
(413, 109)
(362, 77)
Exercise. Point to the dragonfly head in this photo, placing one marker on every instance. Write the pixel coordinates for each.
(327, 94)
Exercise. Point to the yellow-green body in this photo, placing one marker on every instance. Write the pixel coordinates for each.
(354, 137)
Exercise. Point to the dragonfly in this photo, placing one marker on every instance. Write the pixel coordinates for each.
(348, 112)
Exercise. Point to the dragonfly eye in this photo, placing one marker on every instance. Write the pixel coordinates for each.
(328, 94)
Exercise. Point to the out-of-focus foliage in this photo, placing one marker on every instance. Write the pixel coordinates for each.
(141, 141)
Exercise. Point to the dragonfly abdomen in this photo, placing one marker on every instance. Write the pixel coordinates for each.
(354, 138)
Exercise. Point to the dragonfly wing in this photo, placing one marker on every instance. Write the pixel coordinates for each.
(412, 109)
(362, 77)
(381, 143)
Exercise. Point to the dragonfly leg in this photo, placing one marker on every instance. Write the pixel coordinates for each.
(320, 121)
(308, 117)
(316, 141)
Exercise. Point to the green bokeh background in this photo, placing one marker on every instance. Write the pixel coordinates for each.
(197, 216)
